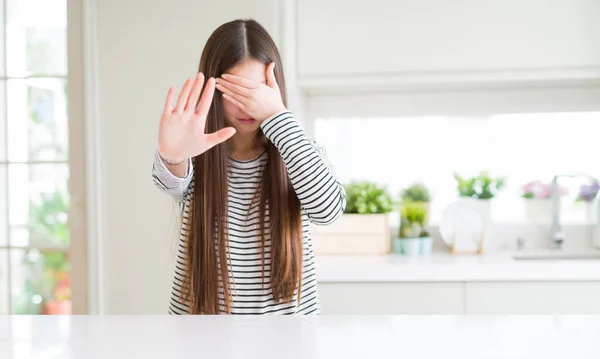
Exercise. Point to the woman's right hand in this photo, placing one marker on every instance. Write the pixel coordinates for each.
(181, 130)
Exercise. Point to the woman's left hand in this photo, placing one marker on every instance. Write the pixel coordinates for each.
(256, 99)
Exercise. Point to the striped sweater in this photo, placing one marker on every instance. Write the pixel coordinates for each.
(322, 198)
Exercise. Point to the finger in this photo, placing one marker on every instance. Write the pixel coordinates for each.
(183, 96)
(220, 136)
(243, 91)
(271, 81)
(240, 81)
(196, 89)
(169, 102)
(207, 97)
(239, 105)
(241, 99)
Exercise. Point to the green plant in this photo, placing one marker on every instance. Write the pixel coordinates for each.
(481, 186)
(45, 269)
(48, 270)
(48, 222)
(412, 221)
(48, 218)
(364, 197)
(417, 192)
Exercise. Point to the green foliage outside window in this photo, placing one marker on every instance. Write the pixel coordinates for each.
(47, 271)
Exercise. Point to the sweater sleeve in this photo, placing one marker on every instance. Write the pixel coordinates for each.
(322, 196)
(169, 183)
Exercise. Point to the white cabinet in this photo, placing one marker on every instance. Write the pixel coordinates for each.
(479, 298)
(436, 40)
(391, 298)
(532, 298)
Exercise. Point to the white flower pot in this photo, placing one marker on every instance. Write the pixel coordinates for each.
(590, 212)
(483, 206)
(538, 210)
(596, 228)
(353, 234)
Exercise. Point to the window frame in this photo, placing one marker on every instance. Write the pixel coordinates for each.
(311, 130)
(77, 224)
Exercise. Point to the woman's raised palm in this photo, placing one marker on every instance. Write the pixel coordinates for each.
(181, 130)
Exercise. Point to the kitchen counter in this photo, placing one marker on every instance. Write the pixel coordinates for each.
(452, 268)
(222, 337)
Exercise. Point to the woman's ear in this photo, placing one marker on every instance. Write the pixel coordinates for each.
(271, 81)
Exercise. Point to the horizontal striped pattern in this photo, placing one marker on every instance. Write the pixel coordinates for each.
(322, 198)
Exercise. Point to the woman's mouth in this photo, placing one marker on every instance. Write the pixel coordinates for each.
(246, 120)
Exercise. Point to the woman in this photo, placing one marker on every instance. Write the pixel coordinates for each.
(248, 181)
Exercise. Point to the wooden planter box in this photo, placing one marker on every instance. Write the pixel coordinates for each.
(353, 234)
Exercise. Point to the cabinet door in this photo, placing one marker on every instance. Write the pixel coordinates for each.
(431, 36)
(552, 298)
(391, 298)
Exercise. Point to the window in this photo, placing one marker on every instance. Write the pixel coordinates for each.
(521, 147)
(34, 164)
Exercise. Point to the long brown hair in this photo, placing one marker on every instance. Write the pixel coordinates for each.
(207, 244)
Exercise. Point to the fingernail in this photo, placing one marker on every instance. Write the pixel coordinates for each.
(224, 76)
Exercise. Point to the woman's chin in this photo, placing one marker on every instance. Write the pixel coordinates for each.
(247, 126)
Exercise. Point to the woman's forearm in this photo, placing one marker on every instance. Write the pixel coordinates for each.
(172, 179)
(178, 170)
(322, 197)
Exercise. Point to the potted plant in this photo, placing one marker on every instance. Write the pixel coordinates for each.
(46, 279)
(417, 193)
(412, 238)
(480, 188)
(364, 226)
(538, 206)
(60, 301)
(47, 284)
(56, 273)
(587, 194)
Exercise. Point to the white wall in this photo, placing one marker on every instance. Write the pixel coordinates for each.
(143, 47)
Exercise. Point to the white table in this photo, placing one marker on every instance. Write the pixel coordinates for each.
(464, 337)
